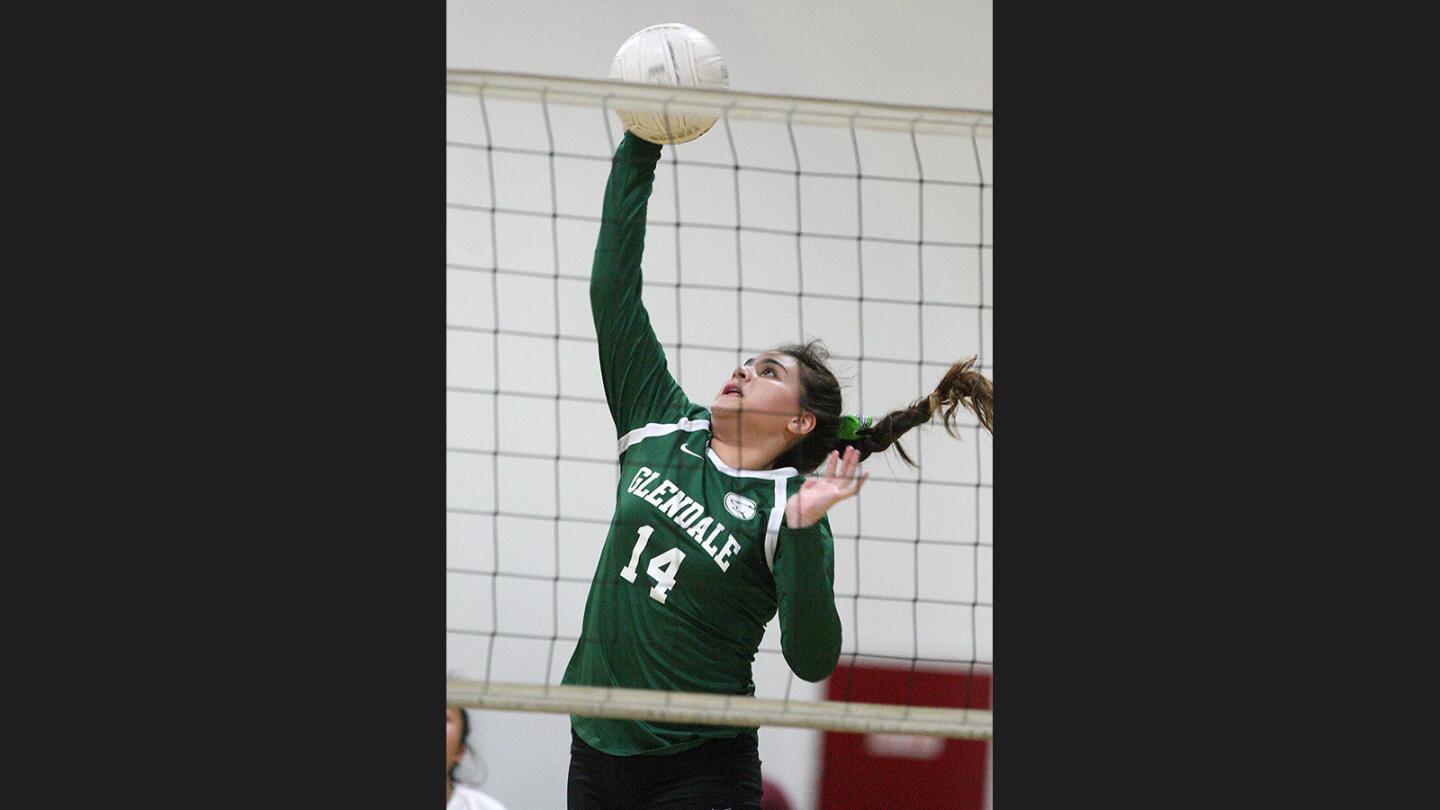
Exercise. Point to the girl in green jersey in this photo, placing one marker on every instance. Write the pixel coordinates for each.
(725, 482)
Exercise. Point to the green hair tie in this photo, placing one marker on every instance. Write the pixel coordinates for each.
(852, 426)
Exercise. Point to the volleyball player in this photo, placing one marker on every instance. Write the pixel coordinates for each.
(716, 526)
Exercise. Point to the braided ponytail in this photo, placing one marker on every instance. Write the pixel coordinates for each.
(961, 385)
(820, 395)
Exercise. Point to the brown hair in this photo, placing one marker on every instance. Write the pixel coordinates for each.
(464, 738)
(820, 395)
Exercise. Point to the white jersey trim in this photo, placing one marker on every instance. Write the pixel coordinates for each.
(780, 473)
(654, 429)
(772, 529)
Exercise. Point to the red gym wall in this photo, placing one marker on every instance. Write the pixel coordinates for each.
(864, 771)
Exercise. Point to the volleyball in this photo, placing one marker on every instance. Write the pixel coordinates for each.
(675, 55)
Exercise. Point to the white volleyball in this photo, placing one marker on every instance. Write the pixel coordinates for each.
(675, 55)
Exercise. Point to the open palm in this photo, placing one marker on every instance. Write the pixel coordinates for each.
(815, 497)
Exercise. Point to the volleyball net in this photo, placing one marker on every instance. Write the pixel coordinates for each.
(866, 225)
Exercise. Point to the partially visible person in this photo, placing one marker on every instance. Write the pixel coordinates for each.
(459, 796)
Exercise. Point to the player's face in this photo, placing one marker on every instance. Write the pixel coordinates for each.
(765, 390)
(453, 747)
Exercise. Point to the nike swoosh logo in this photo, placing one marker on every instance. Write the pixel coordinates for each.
(686, 449)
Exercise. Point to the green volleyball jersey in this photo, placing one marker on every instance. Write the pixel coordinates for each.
(698, 557)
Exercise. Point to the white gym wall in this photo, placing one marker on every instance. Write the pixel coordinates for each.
(931, 53)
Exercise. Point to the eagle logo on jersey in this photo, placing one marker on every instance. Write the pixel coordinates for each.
(739, 506)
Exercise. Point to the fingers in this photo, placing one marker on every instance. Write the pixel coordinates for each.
(848, 463)
(860, 481)
(842, 478)
(844, 475)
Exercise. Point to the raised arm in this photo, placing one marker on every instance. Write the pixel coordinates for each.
(638, 387)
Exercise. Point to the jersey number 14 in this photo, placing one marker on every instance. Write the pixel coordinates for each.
(662, 567)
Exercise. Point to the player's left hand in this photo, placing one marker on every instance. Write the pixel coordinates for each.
(815, 497)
